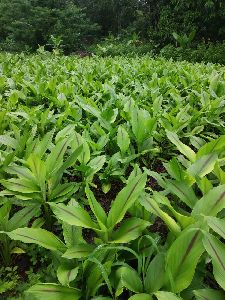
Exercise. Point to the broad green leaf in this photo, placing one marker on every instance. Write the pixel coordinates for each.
(8, 141)
(129, 279)
(52, 291)
(95, 277)
(22, 217)
(138, 124)
(215, 146)
(183, 191)
(209, 294)
(20, 185)
(72, 235)
(125, 199)
(76, 142)
(55, 158)
(62, 190)
(217, 225)
(96, 164)
(219, 173)
(96, 209)
(182, 258)
(105, 271)
(141, 297)
(184, 221)
(205, 185)
(44, 144)
(65, 132)
(211, 203)
(152, 206)
(73, 215)
(123, 140)
(174, 169)
(66, 275)
(37, 236)
(166, 296)
(38, 169)
(21, 172)
(216, 250)
(203, 165)
(142, 124)
(129, 230)
(184, 149)
(4, 211)
(79, 251)
(155, 274)
(67, 164)
(101, 298)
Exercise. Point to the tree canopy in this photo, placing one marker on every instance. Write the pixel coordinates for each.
(25, 24)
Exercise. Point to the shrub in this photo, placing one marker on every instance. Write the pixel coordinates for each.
(210, 52)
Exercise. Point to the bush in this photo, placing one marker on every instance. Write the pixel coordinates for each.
(209, 52)
(122, 45)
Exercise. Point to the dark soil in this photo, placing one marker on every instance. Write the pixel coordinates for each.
(210, 281)
(23, 263)
(88, 235)
(106, 199)
(160, 228)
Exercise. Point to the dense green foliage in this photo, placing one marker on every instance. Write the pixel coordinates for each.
(112, 179)
(25, 24)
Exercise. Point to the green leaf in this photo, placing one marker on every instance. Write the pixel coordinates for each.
(20, 185)
(66, 275)
(215, 146)
(22, 217)
(21, 172)
(105, 270)
(125, 199)
(96, 277)
(174, 169)
(96, 164)
(52, 291)
(217, 225)
(219, 173)
(96, 209)
(152, 206)
(8, 141)
(38, 169)
(128, 278)
(79, 251)
(141, 297)
(184, 221)
(182, 258)
(211, 203)
(123, 140)
(205, 185)
(184, 149)
(67, 164)
(183, 191)
(129, 230)
(155, 274)
(72, 235)
(37, 236)
(203, 165)
(73, 215)
(77, 141)
(66, 189)
(216, 250)
(166, 296)
(42, 146)
(55, 158)
(209, 294)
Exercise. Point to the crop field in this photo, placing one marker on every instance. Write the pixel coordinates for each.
(112, 178)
